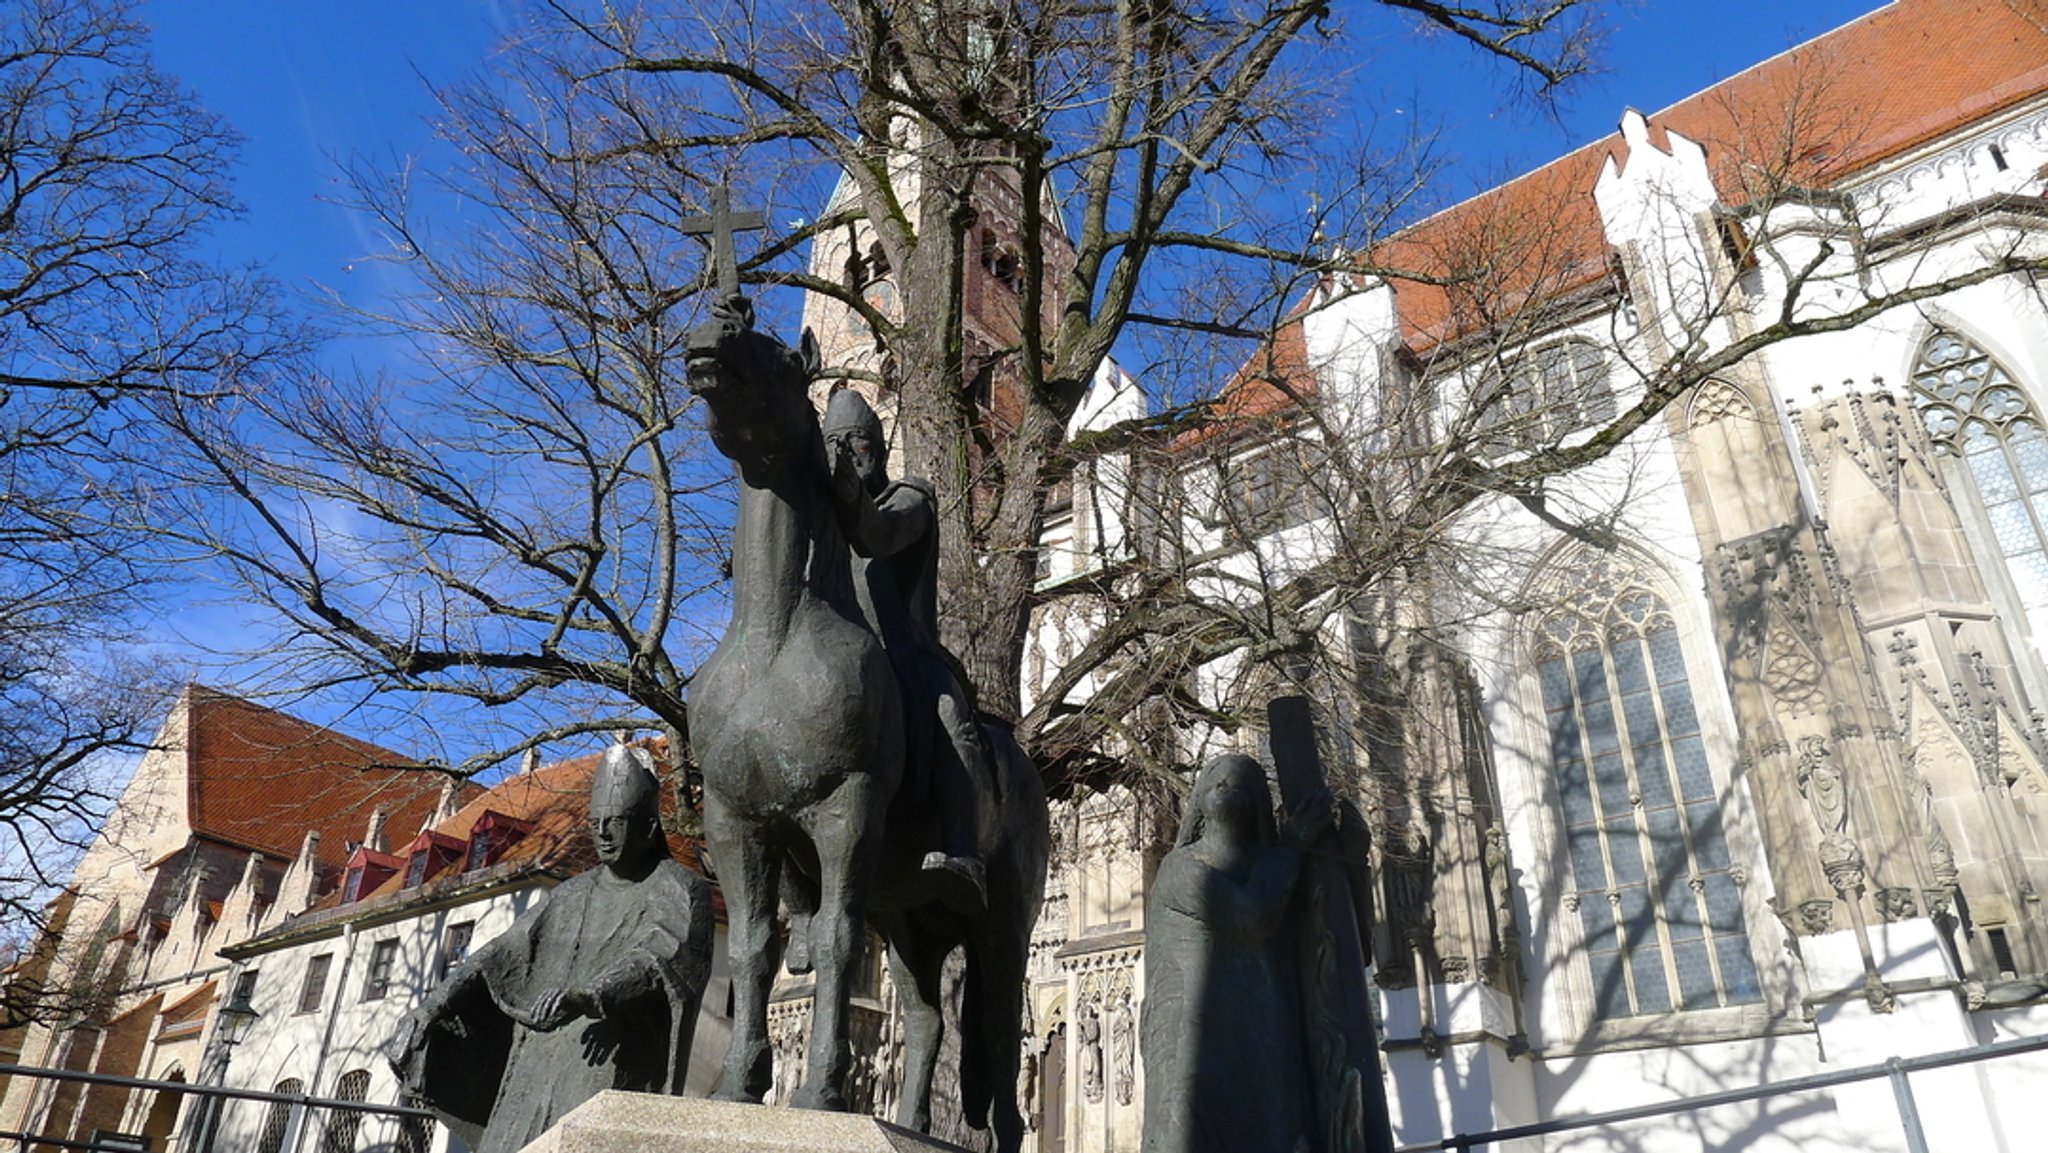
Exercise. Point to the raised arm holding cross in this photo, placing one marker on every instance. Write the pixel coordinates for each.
(720, 224)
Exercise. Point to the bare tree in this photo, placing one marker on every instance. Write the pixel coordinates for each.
(1150, 130)
(110, 174)
(1298, 535)
(521, 524)
(531, 524)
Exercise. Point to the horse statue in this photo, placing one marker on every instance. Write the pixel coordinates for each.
(797, 723)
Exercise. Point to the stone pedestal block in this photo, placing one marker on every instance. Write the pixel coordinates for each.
(614, 1122)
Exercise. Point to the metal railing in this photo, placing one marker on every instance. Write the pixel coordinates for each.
(302, 1105)
(1895, 1070)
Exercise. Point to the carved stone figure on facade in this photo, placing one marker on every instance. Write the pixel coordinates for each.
(1500, 888)
(1821, 783)
(1027, 1084)
(1123, 1049)
(596, 988)
(1088, 1030)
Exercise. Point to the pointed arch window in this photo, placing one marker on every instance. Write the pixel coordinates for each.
(1975, 411)
(1650, 876)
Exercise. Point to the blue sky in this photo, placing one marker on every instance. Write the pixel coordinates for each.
(312, 83)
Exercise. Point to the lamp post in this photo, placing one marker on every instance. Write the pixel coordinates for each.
(234, 1020)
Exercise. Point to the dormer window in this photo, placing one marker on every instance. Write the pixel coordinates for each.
(428, 855)
(492, 834)
(367, 870)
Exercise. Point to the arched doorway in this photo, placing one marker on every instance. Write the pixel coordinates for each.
(163, 1112)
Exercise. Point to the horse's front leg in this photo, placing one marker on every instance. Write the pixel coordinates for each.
(847, 834)
(747, 872)
(917, 961)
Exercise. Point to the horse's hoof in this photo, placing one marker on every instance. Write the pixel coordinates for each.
(821, 1100)
(736, 1097)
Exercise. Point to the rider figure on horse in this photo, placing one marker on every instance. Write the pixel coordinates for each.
(894, 530)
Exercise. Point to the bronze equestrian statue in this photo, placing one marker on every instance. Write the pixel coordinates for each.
(798, 723)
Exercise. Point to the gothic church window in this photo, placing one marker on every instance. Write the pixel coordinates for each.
(1544, 396)
(1649, 871)
(1975, 411)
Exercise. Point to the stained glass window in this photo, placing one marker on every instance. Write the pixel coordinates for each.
(1650, 875)
(1975, 411)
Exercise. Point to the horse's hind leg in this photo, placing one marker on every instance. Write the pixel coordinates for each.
(747, 872)
(916, 963)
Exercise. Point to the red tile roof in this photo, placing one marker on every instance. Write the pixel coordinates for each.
(555, 801)
(1835, 106)
(1273, 382)
(260, 779)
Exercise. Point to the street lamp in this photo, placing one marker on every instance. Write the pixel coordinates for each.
(233, 1022)
(237, 1017)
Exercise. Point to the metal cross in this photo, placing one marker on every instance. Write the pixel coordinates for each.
(719, 226)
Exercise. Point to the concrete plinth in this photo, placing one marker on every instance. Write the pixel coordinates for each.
(614, 1122)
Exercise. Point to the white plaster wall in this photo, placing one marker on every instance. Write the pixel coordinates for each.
(345, 1033)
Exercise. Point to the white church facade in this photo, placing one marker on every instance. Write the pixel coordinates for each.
(1738, 768)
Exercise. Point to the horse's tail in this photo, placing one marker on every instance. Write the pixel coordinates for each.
(998, 949)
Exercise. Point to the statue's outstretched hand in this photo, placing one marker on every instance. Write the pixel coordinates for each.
(420, 1023)
(559, 1006)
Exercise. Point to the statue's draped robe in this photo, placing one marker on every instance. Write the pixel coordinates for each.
(644, 948)
(1226, 1065)
(896, 578)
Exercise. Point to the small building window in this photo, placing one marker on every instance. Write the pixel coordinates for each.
(245, 988)
(1279, 486)
(383, 958)
(315, 989)
(454, 947)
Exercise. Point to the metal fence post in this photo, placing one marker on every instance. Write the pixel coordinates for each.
(1909, 1113)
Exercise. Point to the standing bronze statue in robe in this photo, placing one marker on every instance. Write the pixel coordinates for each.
(1257, 1028)
(595, 988)
(1226, 1057)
